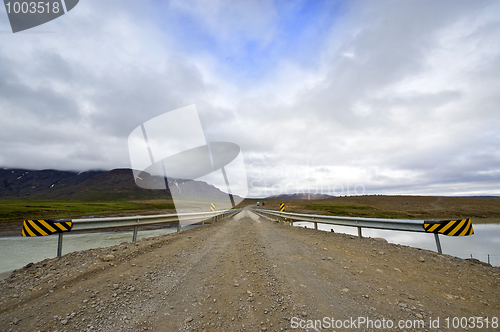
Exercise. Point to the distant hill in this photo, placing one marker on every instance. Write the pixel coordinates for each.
(117, 184)
(301, 196)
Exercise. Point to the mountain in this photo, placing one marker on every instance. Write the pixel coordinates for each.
(301, 196)
(117, 184)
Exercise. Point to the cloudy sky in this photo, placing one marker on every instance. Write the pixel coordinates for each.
(339, 97)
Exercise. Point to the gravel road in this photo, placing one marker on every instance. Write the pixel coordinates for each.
(248, 273)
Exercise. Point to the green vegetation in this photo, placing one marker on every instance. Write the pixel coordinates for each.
(14, 209)
(349, 210)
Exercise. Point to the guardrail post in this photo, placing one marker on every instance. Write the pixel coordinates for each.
(134, 237)
(316, 226)
(59, 245)
(360, 235)
(178, 226)
(438, 244)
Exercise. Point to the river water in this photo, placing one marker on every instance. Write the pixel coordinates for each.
(485, 240)
(16, 252)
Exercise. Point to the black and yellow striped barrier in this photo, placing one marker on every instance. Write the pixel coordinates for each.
(450, 227)
(212, 207)
(282, 207)
(45, 227)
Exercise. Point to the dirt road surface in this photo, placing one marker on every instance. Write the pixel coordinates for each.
(248, 273)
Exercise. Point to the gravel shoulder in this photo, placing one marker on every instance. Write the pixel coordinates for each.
(245, 274)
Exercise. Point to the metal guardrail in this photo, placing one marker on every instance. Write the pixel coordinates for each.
(388, 224)
(136, 221)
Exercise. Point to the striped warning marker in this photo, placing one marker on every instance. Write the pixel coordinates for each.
(45, 227)
(212, 207)
(450, 227)
(282, 207)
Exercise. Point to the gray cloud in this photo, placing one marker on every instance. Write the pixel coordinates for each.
(401, 97)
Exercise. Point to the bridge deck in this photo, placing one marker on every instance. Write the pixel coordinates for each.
(245, 273)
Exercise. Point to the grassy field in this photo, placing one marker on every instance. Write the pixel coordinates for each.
(12, 210)
(337, 209)
(402, 207)
(482, 210)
